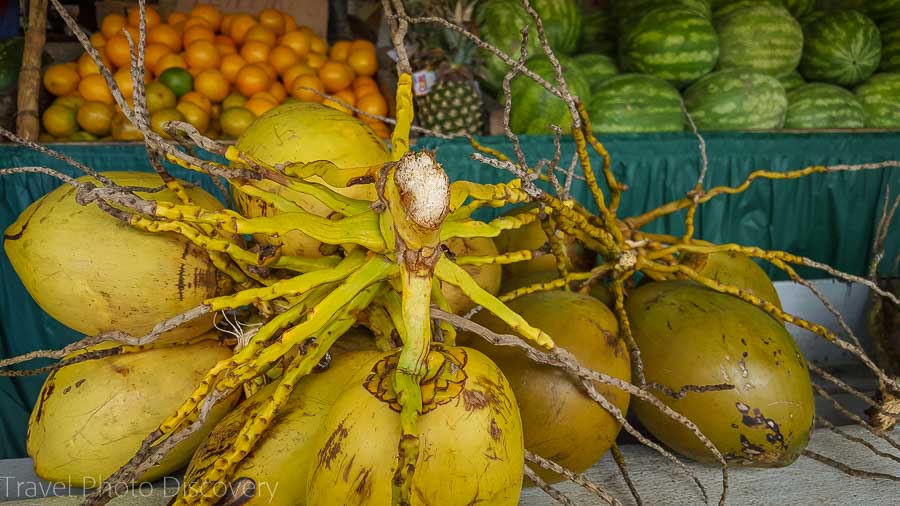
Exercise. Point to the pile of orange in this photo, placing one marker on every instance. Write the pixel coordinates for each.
(240, 66)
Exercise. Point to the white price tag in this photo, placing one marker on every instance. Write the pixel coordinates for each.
(423, 80)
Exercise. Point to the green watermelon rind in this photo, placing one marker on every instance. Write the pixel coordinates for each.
(623, 9)
(737, 99)
(799, 8)
(819, 106)
(890, 45)
(534, 109)
(722, 9)
(500, 23)
(596, 68)
(673, 43)
(762, 37)
(597, 33)
(880, 98)
(636, 103)
(840, 47)
(881, 10)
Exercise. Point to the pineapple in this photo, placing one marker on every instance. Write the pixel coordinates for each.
(453, 105)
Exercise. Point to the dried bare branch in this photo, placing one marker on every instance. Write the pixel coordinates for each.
(549, 490)
(579, 479)
(847, 469)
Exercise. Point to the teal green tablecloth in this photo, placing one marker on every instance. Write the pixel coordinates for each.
(827, 217)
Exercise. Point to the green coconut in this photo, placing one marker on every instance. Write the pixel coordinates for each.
(691, 335)
(735, 269)
(532, 237)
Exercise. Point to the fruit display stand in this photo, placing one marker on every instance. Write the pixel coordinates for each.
(838, 213)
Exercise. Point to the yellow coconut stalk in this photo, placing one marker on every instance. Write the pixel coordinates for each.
(94, 273)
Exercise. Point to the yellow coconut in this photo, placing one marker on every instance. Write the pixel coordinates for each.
(94, 273)
(690, 335)
(561, 422)
(275, 472)
(92, 416)
(470, 435)
(487, 276)
(734, 269)
(307, 132)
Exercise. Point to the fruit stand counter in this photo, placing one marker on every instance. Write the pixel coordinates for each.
(834, 214)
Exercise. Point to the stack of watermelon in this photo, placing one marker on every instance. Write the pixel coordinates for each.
(731, 64)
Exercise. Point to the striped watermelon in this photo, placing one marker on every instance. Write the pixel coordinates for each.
(822, 5)
(636, 103)
(880, 10)
(880, 97)
(623, 9)
(762, 37)
(598, 33)
(534, 109)
(792, 80)
(596, 67)
(890, 45)
(800, 8)
(840, 47)
(675, 43)
(724, 8)
(736, 99)
(499, 23)
(821, 106)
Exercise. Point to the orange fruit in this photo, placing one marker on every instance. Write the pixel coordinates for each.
(211, 83)
(118, 51)
(372, 103)
(297, 40)
(259, 106)
(196, 33)
(377, 126)
(233, 100)
(272, 19)
(363, 62)
(112, 24)
(335, 76)
(159, 96)
(93, 88)
(86, 64)
(209, 13)
(366, 89)
(252, 79)
(151, 14)
(59, 121)
(235, 120)
(134, 31)
(74, 101)
(225, 25)
(282, 58)
(318, 45)
(278, 91)
(289, 22)
(239, 27)
(268, 68)
(155, 52)
(231, 64)
(315, 60)
(307, 81)
(202, 54)
(224, 40)
(179, 27)
(165, 35)
(296, 70)
(126, 84)
(123, 130)
(193, 21)
(98, 40)
(161, 117)
(225, 49)
(195, 115)
(61, 80)
(95, 118)
(262, 34)
(362, 44)
(307, 30)
(340, 51)
(176, 17)
(363, 81)
(345, 96)
(194, 72)
(255, 51)
(265, 95)
(201, 101)
(168, 61)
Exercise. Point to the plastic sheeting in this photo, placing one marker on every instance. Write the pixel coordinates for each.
(830, 218)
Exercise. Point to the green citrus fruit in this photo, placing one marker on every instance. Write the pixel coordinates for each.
(235, 120)
(178, 80)
(160, 117)
(159, 96)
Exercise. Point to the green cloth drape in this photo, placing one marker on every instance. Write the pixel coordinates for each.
(830, 218)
